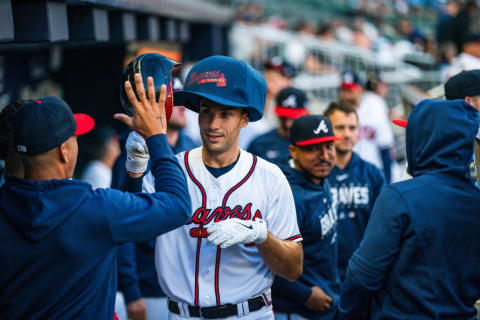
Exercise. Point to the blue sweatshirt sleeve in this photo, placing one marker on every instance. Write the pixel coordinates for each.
(295, 291)
(369, 264)
(128, 282)
(127, 273)
(378, 182)
(141, 216)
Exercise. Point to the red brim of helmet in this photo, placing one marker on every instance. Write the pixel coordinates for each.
(169, 101)
(401, 123)
(85, 123)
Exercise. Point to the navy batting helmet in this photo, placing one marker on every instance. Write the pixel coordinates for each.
(149, 65)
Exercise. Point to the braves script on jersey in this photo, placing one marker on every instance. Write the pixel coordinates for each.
(194, 271)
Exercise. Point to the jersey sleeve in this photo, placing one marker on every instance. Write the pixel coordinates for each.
(384, 132)
(281, 216)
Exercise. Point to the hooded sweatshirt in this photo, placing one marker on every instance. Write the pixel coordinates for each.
(58, 238)
(419, 258)
(317, 221)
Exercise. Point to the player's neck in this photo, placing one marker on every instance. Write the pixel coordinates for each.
(343, 158)
(220, 160)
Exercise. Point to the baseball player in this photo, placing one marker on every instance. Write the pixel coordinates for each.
(354, 183)
(316, 294)
(273, 145)
(418, 258)
(375, 135)
(243, 230)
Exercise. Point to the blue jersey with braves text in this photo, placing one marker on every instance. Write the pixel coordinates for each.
(270, 146)
(354, 190)
(317, 221)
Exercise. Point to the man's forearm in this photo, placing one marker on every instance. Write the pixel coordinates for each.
(283, 257)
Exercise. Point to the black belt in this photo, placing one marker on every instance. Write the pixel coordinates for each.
(223, 311)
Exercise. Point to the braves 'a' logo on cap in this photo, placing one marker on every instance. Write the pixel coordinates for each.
(321, 127)
(290, 101)
(208, 77)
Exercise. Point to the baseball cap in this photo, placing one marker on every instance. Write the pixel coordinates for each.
(464, 84)
(291, 103)
(350, 81)
(401, 123)
(312, 129)
(280, 65)
(43, 124)
(226, 81)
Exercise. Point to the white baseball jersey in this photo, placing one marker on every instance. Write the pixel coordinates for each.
(194, 271)
(374, 129)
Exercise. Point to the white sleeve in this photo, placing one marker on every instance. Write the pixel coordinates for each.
(281, 217)
(384, 132)
(148, 183)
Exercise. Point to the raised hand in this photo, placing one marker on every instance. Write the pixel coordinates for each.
(149, 115)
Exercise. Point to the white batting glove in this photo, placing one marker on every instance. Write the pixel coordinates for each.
(137, 153)
(232, 231)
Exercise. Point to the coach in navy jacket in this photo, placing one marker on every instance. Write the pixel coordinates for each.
(419, 257)
(58, 237)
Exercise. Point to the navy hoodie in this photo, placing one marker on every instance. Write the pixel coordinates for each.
(419, 258)
(317, 222)
(58, 238)
(270, 146)
(354, 191)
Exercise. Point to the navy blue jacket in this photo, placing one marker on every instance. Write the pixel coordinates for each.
(354, 191)
(270, 146)
(318, 225)
(58, 238)
(419, 258)
(137, 276)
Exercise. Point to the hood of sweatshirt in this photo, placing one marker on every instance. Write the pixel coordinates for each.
(36, 208)
(440, 136)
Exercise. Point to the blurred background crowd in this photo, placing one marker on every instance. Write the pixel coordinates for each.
(388, 53)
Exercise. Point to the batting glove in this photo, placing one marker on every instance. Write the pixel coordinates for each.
(232, 231)
(137, 153)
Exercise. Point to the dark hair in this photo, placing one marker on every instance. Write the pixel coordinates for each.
(6, 122)
(342, 106)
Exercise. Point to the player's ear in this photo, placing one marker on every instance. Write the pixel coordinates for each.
(293, 151)
(244, 119)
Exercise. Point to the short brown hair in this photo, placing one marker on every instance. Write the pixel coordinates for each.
(342, 106)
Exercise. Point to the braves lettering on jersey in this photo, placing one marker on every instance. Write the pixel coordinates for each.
(374, 129)
(354, 191)
(270, 146)
(192, 270)
(317, 220)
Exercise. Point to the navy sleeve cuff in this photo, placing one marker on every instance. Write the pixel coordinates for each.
(132, 293)
(158, 147)
(133, 185)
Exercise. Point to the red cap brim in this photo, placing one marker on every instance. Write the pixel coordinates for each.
(85, 123)
(401, 123)
(290, 112)
(349, 86)
(317, 140)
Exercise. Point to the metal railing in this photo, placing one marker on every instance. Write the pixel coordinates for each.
(319, 63)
